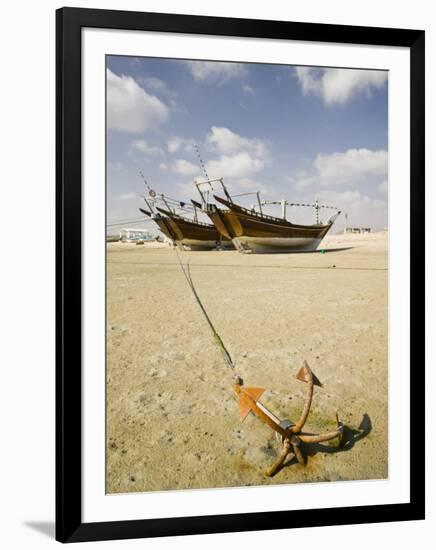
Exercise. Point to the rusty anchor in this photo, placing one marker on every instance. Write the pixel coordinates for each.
(291, 435)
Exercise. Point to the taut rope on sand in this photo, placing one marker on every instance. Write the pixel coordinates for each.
(217, 338)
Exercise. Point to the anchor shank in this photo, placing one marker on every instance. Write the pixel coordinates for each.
(268, 418)
(308, 402)
(273, 417)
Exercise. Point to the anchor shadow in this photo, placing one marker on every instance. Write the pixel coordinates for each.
(350, 437)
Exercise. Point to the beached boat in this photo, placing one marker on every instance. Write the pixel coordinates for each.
(181, 230)
(260, 233)
(192, 233)
(163, 224)
(252, 230)
(221, 218)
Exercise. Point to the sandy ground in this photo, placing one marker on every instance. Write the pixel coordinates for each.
(172, 422)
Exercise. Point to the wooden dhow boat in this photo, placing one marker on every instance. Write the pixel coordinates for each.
(261, 233)
(185, 232)
(181, 230)
(194, 234)
(221, 218)
(162, 222)
(252, 230)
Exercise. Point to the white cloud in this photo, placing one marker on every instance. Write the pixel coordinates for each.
(126, 196)
(186, 190)
(163, 166)
(115, 166)
(184, 167)
(176, 143)
(130, 108)
(248, 90)
(351, 166)
(337, 86)
(240, 165)
(226, 142)
(143, 147)
(249, 184)
(347, 197)
(361, 210)
(239, 157)
(216, 72)
(383, 187)
(361, 171)
(309, 81)
(379, 204)
(355, 166)
(156, 85)
(302, 179)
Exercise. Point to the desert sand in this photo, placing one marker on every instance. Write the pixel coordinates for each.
(172, 421)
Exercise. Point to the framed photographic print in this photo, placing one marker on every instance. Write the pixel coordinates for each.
(240, 274)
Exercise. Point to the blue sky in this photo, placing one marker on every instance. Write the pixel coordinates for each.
(299, 133)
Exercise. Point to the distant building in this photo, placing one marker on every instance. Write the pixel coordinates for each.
(358, 230)
(128, 235)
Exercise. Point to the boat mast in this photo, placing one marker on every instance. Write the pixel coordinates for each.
(317, 207)
(151, 193)
(164, 200)
(227, 194)
(258, 200)
(205, 194)
(200, 160)
(208, 180)
(203, 200)
(150, 205)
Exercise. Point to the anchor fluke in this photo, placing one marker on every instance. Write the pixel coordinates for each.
(305, 374)
(248, 398)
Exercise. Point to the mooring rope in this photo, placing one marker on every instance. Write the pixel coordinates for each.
(217, 338)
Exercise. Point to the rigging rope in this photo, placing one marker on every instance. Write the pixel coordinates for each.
(200, 160)
(130, 222)
(217, 338)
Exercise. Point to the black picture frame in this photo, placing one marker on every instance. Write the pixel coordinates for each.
(69, 525)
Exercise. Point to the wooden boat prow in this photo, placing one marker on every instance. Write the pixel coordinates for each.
(163, 224)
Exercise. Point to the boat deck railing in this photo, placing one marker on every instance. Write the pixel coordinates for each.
(186, 220)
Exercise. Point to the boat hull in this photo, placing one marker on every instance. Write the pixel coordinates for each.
(221, 220)
(165, 227)
(162, 223)
(259, 233)
(195, 235)
(194, 244)
(224, 221)
(276, 245)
